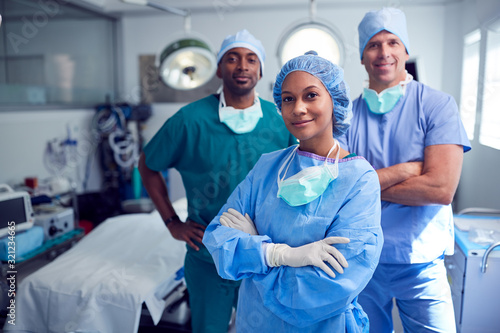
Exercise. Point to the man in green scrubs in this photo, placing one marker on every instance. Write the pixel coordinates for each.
(213, 143)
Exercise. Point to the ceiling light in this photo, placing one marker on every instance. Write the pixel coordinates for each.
(311, 34)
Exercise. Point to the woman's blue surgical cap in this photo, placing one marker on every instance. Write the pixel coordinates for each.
(390, 19)
(332, 77)
(243, 39)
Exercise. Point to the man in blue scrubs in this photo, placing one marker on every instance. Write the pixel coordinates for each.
(414, 138)
(213, 143)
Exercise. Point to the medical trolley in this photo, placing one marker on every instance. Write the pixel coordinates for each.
(474, 276)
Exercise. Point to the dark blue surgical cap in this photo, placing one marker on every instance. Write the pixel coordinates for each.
(332, 77)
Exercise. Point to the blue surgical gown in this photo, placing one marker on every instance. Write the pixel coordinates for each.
(304, 299)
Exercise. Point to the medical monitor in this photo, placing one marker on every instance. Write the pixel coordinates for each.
(15, 210)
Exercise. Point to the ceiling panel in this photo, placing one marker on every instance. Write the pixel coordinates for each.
(117, 6)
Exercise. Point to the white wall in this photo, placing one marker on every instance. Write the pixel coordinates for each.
(148, 35)
(436, 41)
(24, 134)
(480, 184)
(23, 139)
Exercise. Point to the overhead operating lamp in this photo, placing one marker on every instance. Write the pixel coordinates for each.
(311, 34)
(188, 62)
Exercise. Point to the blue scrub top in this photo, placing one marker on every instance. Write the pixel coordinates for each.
(422, 117)
(289, 299)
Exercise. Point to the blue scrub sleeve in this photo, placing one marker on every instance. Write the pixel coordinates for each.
(444, 123)
(236, 254)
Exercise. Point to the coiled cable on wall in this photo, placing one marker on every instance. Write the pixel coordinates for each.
(125, 148)
(109, 123)
(107, 120)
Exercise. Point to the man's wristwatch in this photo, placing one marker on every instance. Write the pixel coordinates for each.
(170, 219)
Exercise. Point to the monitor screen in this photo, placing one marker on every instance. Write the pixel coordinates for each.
(12, 210)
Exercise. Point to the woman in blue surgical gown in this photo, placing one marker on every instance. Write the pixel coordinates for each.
(303, 228)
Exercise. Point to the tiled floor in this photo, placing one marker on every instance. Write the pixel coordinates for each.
(398, 327)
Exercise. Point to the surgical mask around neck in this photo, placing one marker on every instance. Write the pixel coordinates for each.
(387, 99)
(238, 120)
(308, 184)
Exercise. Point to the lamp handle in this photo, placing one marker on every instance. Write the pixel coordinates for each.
(187, 23)
(312, 10)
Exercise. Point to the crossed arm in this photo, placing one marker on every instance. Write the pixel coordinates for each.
(433, 181)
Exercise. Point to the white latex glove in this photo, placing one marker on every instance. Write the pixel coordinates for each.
(313, 254)
(234, 219)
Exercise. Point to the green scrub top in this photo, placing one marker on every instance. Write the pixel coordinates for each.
(212, 159)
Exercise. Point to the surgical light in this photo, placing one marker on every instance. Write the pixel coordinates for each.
(188, 62)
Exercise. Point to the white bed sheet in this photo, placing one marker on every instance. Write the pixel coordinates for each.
(99, 285)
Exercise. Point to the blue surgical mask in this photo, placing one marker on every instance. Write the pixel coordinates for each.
(240, 121)
(387, 99)
(308, 184)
